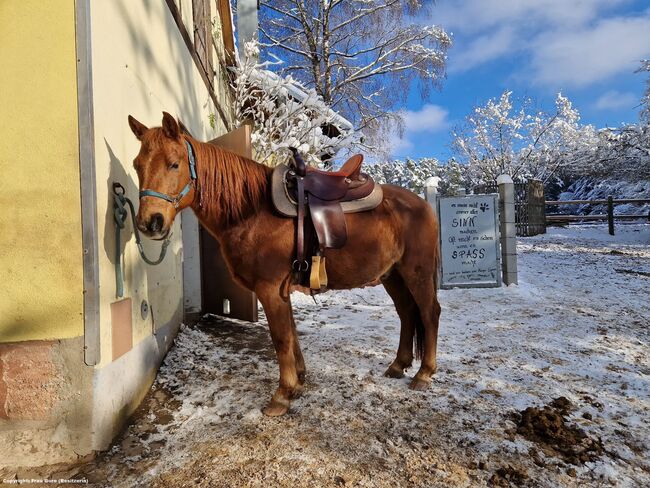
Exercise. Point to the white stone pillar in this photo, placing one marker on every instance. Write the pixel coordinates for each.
(431, 191)
(508, 229)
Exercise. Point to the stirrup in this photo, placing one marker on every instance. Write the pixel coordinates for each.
(318, 275)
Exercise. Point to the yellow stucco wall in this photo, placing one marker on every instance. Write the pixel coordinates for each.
(40, 222)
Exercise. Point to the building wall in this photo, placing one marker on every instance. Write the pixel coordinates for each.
(144, 69)
(53, 407)
(43, 417)
(40, 242)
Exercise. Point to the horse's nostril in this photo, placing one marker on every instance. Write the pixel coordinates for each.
(156, 222)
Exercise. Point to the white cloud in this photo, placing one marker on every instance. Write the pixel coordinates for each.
(473, 16)
(594, 53)
(563, 44)
(430, 118)
(613, 99)
(483, 49)
(400, 145)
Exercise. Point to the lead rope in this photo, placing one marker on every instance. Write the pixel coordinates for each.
(120, 214)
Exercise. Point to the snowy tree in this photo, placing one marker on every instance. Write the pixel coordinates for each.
(622, 153)
(504, 137)
(452, 177)
(412, 174)
(360, 56)
(409, 174)
(284, 113)
(645, 101)
(554, 141)
(486, 143)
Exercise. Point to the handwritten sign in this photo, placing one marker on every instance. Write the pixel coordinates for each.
(469, 241)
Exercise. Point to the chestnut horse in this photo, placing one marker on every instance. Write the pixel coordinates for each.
(396, 243)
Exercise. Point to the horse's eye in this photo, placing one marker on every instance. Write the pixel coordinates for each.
(174, 165)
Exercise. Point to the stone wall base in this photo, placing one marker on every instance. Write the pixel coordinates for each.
(45, 402)
(54, 408)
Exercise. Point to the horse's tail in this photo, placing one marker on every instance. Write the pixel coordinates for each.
(419, 324)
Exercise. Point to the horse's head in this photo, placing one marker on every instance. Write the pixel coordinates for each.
(165, 176)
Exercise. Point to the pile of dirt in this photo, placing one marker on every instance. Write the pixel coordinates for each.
(508, 475)
(548, 428)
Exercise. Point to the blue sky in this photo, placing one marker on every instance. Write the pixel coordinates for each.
(588, 49)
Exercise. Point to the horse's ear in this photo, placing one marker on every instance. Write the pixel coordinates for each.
(170, 126)
(137, 127)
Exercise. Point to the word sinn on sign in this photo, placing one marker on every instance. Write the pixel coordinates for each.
(469, 241)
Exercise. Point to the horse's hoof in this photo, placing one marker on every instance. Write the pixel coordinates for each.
(393, 372)
(301, 377)
(275, 408)
(419, 385)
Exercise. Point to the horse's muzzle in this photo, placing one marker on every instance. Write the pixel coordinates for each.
(156, 223)
(154, 227)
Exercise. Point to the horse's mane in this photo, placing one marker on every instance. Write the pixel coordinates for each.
(230, 186)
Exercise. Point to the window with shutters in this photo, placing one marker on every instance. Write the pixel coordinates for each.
(203, 37)
(201, 43)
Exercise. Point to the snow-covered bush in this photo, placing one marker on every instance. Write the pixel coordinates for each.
(284, 114)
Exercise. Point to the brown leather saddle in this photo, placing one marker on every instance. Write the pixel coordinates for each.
(319, 200)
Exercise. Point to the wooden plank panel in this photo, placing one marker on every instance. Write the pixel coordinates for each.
(121, 327)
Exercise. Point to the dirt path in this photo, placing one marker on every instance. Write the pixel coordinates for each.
(575, 328)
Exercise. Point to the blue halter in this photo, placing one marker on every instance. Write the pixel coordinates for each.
(177, 199)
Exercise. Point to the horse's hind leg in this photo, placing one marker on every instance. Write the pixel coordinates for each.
(407, 311)
(419, 277)
(279, 315)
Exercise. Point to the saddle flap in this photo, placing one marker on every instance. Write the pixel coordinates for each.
(329, 221)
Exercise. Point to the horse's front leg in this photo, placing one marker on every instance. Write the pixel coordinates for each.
(279, 316)
(297, 353)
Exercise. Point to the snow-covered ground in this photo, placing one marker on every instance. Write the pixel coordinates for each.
(577, 326)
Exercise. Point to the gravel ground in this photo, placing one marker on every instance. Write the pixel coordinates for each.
(541, 384)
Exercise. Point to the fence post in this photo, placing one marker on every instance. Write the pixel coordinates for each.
(431, 191)
(610, 214)
(507, 229)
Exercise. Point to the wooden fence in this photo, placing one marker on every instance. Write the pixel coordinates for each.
(609, 216)
(530, 208)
